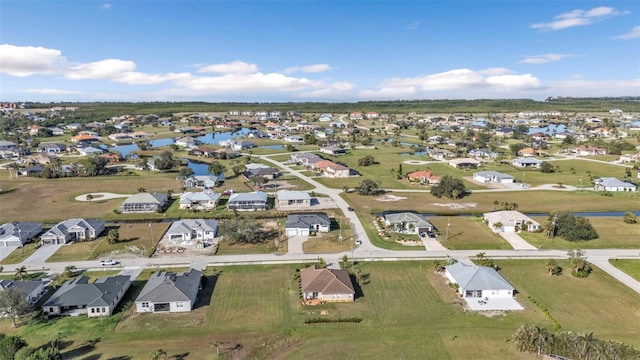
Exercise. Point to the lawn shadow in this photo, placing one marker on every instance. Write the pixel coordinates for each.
(356, 286)
(84, 349)
(128, 240)
(123, 357)
(180, 356)
(208, 285)
(92, 357)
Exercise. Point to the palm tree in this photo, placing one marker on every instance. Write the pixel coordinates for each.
(495, 204)
(89, 198)
(497, 226)
(585, 343)
(553, 268)
(217, 345)
(541, 338)
(21, 272)
(158, 354)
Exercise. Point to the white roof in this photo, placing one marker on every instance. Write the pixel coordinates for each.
(508, 218)
(474, 277)
(293, 195)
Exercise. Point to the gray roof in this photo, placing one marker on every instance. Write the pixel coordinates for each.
(527, 161)
(189, 225)
(261, 172)
(491, 173)
(306, 220)
(168, 286)
(79, 292)
(613, 182)
(407, 217)
(252, 196)
(5, 143)
(27, 287)
(293, 195)
(147, 198)
(250, 166)
(474, 277)
(189, 197)
(61, 228)
(18, 228)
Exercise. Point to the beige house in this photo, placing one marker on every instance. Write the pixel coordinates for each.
(290, 198)
(326, 285)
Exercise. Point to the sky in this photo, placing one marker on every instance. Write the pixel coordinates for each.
(306, 50)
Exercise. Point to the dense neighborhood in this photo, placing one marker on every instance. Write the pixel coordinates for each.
(128, 216)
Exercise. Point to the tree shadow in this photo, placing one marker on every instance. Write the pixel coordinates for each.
(92, 357)
(180, 356)
(123, 357)
(86, 348)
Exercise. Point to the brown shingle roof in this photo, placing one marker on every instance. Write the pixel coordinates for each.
(326, 281)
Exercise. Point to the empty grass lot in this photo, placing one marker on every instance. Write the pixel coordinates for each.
(612, 231)
(408, 312)
(466, 233)
(631, 267)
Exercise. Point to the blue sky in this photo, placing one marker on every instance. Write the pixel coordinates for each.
(317, 50)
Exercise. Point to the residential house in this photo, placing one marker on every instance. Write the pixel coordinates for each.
(526, 152)
(112, 158)
(73, 229)
(290, 198)
(526, 163)
(56, 131)
(88, 133)
(357, 115)
(205, 181)
(509, 221)
(493, 176)
(206, 200)
(330, 169)
(333, 150)
(34, 170)
(478, 281)
(305, 159)
(326, 285)
(18, 233)
(84, 139)
(54, 148)
(588, 150)
(613, 184)
(89, 150)
(79, 297)
(325, 117)
(440, 154)
(265, 172)
(303, 224)
(237, 145)
(120, 136)
(407, 222)
(187, 230)
(372, 115)
(253, 201)
(294, 139)
(187, 141)
(424, 177)
(503, 132)
(204, 151)
(169, 292)
(144, 203)
(464, 163)
(32, 290)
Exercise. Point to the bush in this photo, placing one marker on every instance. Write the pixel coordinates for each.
(573, 228)
(330, 321)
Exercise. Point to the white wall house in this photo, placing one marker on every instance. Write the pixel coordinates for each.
(478, 281)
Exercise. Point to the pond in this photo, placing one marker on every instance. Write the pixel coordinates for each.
(272, 147)
(199, 168)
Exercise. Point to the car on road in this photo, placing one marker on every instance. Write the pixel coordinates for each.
(107, 262)
(358, 242)
(350, 208)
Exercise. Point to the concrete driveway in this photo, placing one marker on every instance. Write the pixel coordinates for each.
(516, 241)
(294, 244)
(5, 251)
(41, 255)
(131, 271)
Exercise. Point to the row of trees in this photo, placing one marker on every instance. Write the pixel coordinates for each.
(16, 348)
(570, 227)
(585, 346)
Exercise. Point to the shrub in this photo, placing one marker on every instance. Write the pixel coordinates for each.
(334, 320)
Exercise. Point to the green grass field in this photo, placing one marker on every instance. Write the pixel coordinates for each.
(407, 310)
(631, 267)
(467, 233)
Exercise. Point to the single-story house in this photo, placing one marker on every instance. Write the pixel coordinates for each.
(167, 292)
(493, 176)
(79, 297)
(192, 229)
(464, 163)
(266, 172)
(407, 222)
(205, 181)
(90, 150)
(526, 163)
(18, 233)
(326, 285)
(144, 203)
(424, 177)
(330, 169)
(252, 201)
(306, 159)
(478, 281)
(73, 229)
(294, 139)
(187, 141)
(588, 150)
(304, 223)
(289, 198)
(509, 221)
(84, 139)
(613, 184)
(205, 200)
(34, 170)
(440, 154)
(333, 150)
(54, 148)
(32, 290)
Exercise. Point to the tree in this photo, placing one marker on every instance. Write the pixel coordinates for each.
(322, 262)
(158, 354)
(185, 172)
(546, 168)
(216, 168)
(571, 227)
(89, 198)
(630, 218)
(94, 166)
(497, 226)
(10, 345)
(580, 267)
(165, 162)
(21, 272)
(13, 303)
(113, 236)
(42, 353)
(368, 187)
(245, 230)
(438, 267)
(553, 268)
(366, 161)
(449, 187)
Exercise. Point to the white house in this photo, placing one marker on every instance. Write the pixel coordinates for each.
(18, 233)
(526, 163)
(192, 229)
(509, 221)
(205, 200)
(613, 184)
(304, 223)
(478, 281)
(493, 176)
(292, 198)
(407, 223)
(168, 292)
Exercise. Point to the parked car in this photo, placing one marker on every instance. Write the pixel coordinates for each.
(107, 262)
(422, 234)
(431, 234)
(350, 208)
(227, 192)
(358, 242)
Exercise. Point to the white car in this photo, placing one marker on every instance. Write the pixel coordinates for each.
(358, 242)
(107, 262)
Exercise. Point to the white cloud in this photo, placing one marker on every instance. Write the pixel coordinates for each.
(316, 68)
(413, 25)
(457, 80)
(543, 59)
(235, 67)
(245, 83)
(52, 92)
(29, 60)
(332, 91)
(578, 18)
(103, 69)
(633, 34)
(105, 6)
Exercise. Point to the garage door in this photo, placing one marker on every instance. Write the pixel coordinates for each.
(292, 232)
(10, 243)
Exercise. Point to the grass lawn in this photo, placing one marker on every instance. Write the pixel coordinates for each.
(631, 267)
(407, 310)
(20, 254)
(466, 233)
(328, 243)
(226, 248)
(612, 231)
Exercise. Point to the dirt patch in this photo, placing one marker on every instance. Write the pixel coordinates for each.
(455, 206)
(390, 198)
(491, 314)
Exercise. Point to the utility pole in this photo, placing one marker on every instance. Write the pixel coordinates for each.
(446, 237)
(151, 230)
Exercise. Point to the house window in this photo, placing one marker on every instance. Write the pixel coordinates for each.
(93, 311)
(104, 310)
(145, 304)
(179, 305)
(50, 309)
